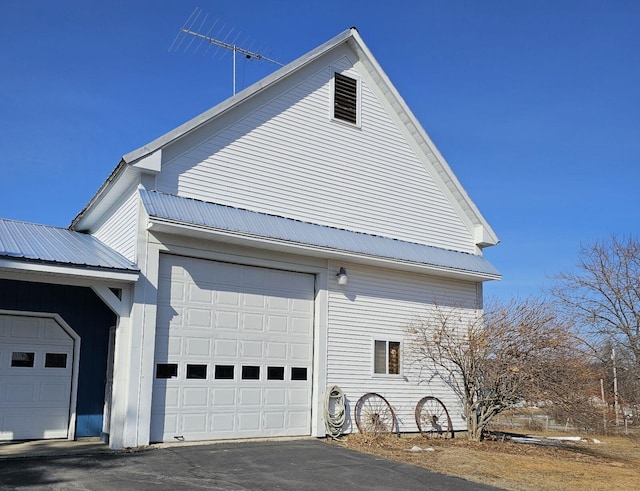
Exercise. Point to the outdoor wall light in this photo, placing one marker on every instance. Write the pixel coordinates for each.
(342, 277)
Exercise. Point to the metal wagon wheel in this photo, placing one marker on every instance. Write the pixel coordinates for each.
(374, 415)
(433, 418)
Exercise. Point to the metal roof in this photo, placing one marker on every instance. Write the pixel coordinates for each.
(42, 243)
(187, 211)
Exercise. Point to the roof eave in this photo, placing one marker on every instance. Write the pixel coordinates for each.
(119, 169)
(169, 226)
(22, 267)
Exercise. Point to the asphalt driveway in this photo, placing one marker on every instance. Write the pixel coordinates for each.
(267, 465)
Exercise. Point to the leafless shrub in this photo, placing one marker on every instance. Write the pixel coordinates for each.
(512, 352)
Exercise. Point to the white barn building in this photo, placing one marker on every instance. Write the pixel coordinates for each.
(223, 240)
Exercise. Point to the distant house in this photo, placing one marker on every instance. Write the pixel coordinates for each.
(197, 294)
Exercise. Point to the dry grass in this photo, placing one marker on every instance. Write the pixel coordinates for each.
(612, 464)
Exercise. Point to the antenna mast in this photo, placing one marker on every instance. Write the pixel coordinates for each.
(220, 43)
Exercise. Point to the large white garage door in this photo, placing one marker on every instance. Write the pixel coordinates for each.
(36, 363)
(234, 350)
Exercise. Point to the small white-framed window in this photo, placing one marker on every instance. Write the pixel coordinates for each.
(345, 100)
(386, 357)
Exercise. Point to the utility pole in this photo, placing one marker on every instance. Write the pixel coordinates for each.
(605, 406)
(615, 387)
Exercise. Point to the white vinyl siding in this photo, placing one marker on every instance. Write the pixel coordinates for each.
(379, 305)
(119, 229)
(289, 158)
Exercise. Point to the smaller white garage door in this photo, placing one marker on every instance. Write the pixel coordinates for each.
(36, 363)
(234, 351)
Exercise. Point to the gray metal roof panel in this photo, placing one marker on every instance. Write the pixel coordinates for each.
(211, 215)
(43, 243)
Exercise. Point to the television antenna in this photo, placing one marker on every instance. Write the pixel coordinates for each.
(189, 29)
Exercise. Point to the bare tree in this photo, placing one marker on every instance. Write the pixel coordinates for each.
(603, 296)
(513, 352)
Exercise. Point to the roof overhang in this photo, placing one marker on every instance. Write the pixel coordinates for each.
(48, 272)
(175, 215)
(172, 227)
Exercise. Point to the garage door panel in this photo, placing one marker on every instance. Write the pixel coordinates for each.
(28, 424)
(224, 397)
(198, 346)
(253, 322)
(251, 349)
(299, 351)
(164, 423)
(278, 304)
(227, 320)
(298, 397)
(195, 423)
(275, 396)
(195, 397)
(200, 295)
(249, 422)
(250, 397)
(253, 301)
(276, 351)
(227, 299)
(20, 390)
(27, 328)
(171, 397)
(300, 325)
(274, 420)
(277, 324)
(53, 393)
(223, 422)
(199, 318)
(261, 328)
(226, 348)
(297, 419)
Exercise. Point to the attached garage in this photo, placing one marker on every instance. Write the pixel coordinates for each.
(234, 351)
(37, 356)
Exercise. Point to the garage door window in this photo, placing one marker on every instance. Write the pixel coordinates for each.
(166, 370)
(197, 371)
(224, 372)
(250, 372)
(55, 360)
(298, 373)
(275, 373)
(22, 359)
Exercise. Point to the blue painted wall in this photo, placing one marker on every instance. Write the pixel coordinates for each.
(88, 316)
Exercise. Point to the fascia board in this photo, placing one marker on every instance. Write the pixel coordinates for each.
(25, 267)
(75, 223)
(111, 190)
(250, 240)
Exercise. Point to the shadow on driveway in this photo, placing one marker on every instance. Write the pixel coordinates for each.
(266, 465)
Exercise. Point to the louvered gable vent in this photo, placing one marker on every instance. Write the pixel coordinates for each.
(345, 98)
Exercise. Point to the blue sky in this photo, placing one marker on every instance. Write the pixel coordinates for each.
(534, 104)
